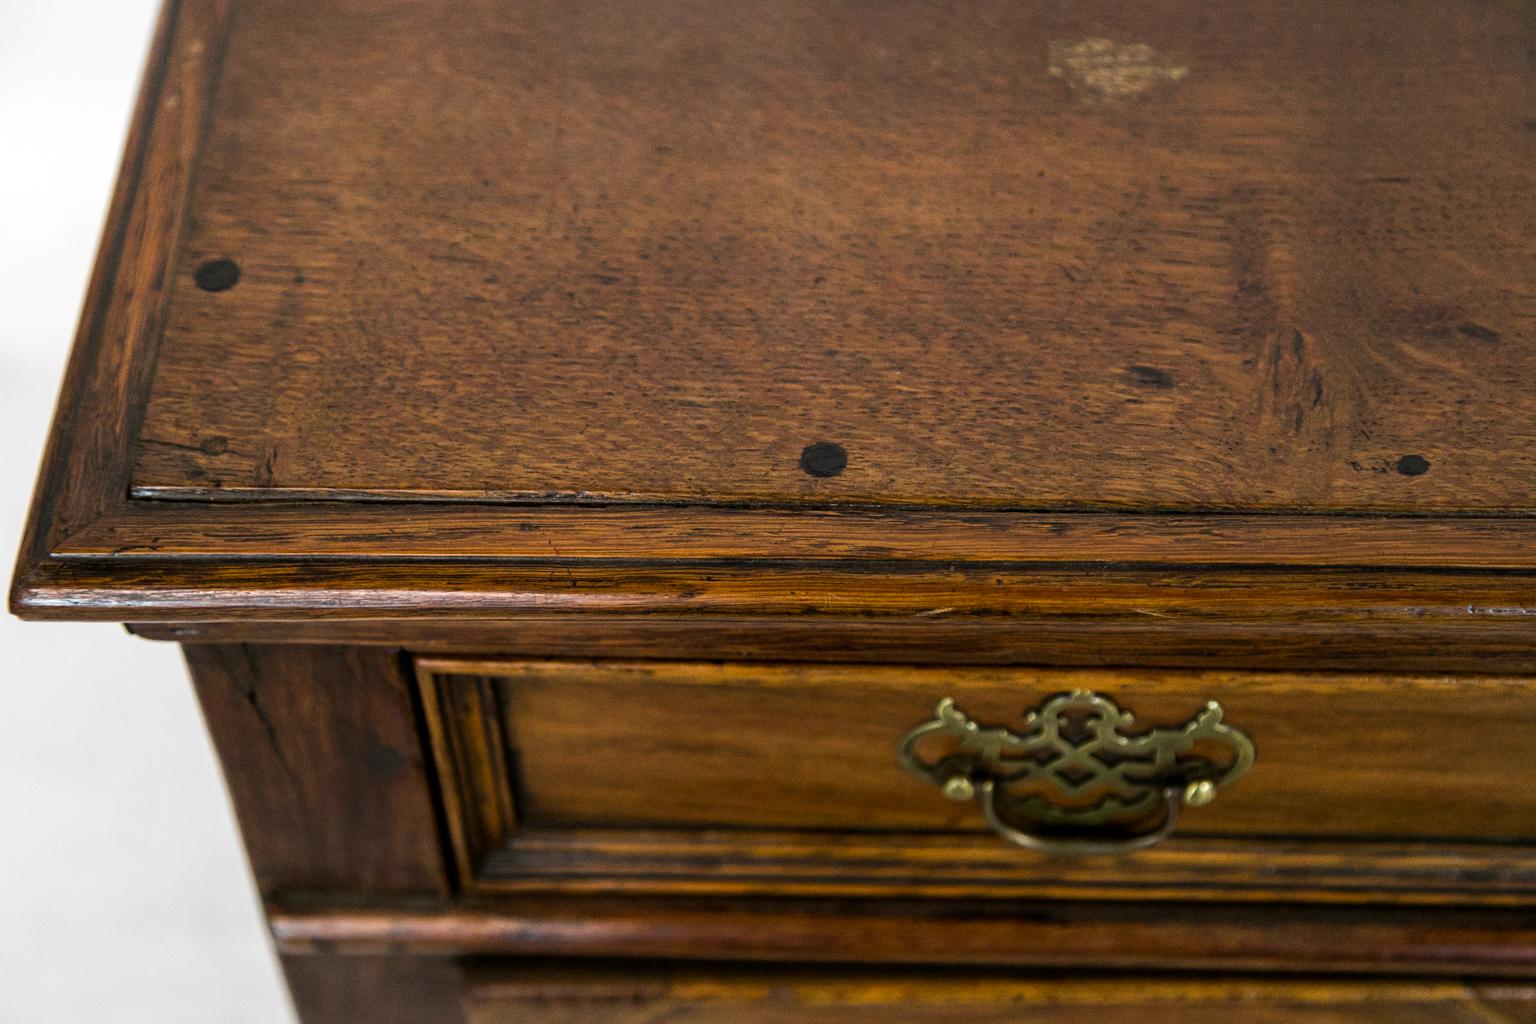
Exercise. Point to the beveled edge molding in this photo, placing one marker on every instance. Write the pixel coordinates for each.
(1381, 645)
(473, 772)
(497, 856)
(966, 866)
(423, 530)
(1320, 940)
(87, 464)
(161, 590)
(518, 982)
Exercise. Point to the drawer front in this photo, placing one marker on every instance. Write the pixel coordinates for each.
(743, 778)
(543, 994)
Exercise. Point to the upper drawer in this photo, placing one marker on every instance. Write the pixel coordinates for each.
(736, 778)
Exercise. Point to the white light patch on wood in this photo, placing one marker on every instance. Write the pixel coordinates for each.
(1098, 69)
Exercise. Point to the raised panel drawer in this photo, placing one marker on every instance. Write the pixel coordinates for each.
(544, 994)
(704, 777)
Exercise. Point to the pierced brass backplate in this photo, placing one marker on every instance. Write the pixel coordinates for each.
(1074, 781)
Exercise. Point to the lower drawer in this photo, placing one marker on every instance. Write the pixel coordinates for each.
(744, 779)
(545, 994)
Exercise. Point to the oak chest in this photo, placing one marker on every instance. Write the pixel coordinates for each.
(808, 510)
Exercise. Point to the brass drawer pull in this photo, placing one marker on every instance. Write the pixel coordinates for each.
(1073, 782)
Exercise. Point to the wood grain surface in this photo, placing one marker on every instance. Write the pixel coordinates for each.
(544, 993)
(739, 778)
(1012, 613)
(324, 765)
(783, 747)
(375, 989)
(562, 251)
(1461, 942)
(1384, 643)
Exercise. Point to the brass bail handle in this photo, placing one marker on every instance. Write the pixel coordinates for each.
(1143, 777)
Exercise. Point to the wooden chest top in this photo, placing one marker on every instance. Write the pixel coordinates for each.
(490, 309)
(1033, 256)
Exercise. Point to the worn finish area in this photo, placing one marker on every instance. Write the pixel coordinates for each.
(1033, 255)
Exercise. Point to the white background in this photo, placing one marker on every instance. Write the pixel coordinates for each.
(124, 894)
